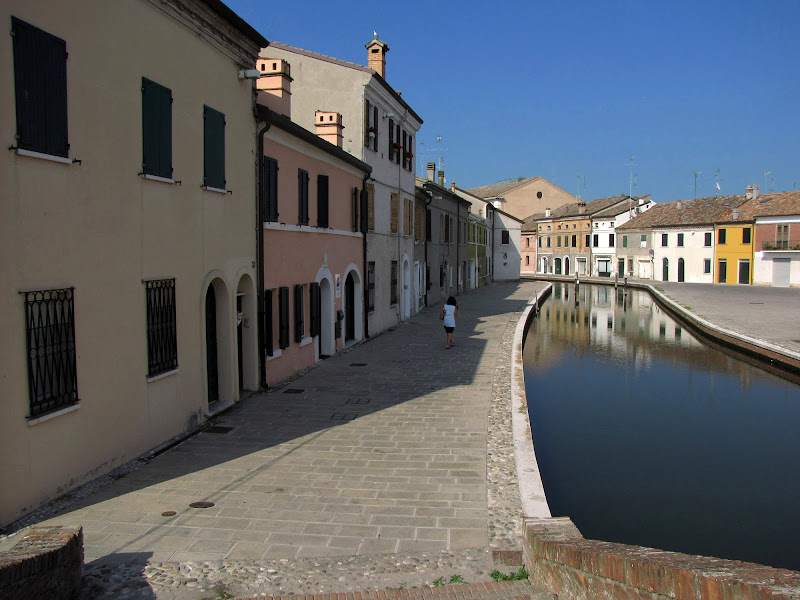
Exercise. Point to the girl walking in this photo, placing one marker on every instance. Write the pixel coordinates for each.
(449, 315)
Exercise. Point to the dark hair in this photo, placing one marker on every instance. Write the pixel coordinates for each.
(452, 301)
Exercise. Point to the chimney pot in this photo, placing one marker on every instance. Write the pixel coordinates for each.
(329, 126)
(376, 56)
(431, 171)
(546, 212)
(441, 178)
(735, 214)
(755, 191)
(275, 85)
(452, 186)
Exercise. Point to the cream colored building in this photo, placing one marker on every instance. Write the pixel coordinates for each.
(128, 254)
(522, 197)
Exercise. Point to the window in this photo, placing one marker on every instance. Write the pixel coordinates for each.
(643, 242)
(680, 240)
(707, 242)
(371, 287)
(664, 240)
(782, 237)
(315, 309)
(52, 366)
(548, 241)
(269, 332)
(419, 223)
(156, 129)
(393, 152)
(322, 201)
(409, 154)
(370, 125)
(299, 314)
(395, 209)
(504, 237)
(540, 242)
(393, 295)
(624, 241)
(269, 188)
(527, 242)
(162, 335)
(302, 197)
(574, 241)
(283, 317)
(40, 85)
(213, 148)
(721, 235)
(408, 214)
(746, 235)
(611, 240)
(354, 207)
(527, 259)
(371, 206)
(587, 241)
(558, 241)
(706, 265)
(595, 240)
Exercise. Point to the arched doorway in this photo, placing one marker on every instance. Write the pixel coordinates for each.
(406, 309)
(246, 334)
(665, 269)
(220, 374)
(349, 308)
(680, 270)
(558, 266)
(212, 367)
(327, 342)
(566, 266)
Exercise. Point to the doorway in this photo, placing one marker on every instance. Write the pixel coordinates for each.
(349, 308)
(212, 371)
(665, 269)
(680, 270)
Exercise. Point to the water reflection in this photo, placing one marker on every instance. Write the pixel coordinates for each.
(646, 436)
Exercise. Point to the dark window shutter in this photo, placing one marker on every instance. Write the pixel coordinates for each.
(405, 149)
(214, 148)
(391, 139)
(40, 80)
(269, 186)
(428, 225)
(375, 124)
(322, 200)
(299, 321)
(283, 317)
(268, 332)
(356, 201)
(364, 210)
(315, 308)
(302, 197)
(410, 151)
(367, 111)
(156, 129)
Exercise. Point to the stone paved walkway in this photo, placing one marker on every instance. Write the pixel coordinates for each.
(368, 470)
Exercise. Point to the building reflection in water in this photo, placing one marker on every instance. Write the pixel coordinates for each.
(644, 435)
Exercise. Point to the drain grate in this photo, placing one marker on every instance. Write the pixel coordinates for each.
(358, 401)
(358, 364)
(293, 391)
(201, 504)
(219, 429)
(343, 417)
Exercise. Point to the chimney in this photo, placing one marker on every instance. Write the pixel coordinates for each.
(678, 205)
(547, 212)
(441, 178)
(329, 126)
(735, 214)
(275, 85)
(431, 171)
(749, 192)
(581, 208)
(452, 186)
(376, 55)
(755, 191)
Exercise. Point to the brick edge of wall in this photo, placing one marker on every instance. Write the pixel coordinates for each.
(46, 563)
(561, 561)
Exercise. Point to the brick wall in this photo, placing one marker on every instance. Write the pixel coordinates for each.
(560, 560)
(46, 563)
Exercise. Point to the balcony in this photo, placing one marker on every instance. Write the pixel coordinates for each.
(781, 245)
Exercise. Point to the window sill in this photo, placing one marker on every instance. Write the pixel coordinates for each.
(53, 415)
(208, 188)
(306, 341)
(161, 375)
(40, 155)
(157, 178)
(275, 354)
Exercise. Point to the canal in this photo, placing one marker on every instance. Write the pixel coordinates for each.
(646, 436)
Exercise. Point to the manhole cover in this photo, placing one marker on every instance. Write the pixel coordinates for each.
(218, 429)
(293, 391)
(201, 504)
(168, 513)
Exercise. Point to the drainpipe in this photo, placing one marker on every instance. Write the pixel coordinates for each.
(458, 245)
(364, 230)
(262, 344)
(494, 216)
(429, 194)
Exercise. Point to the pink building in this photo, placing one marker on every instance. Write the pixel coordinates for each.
(313, 246)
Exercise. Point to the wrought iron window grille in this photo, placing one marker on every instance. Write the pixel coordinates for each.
(162, 330)
(52, 365)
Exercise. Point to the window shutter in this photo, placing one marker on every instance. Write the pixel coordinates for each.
(269, 185)
(283, 317)
(395, 201)
(356, 201)
(156, 129)
(428, 225)
(299, 317)
(375, 124)
(391, 140)
(405, 149)
(322, 200)
(315, 308)
(371, 207)
(410, 153)
(213, 148)
(40, 81)
(302, 197)
(367, 111)
(268, 333)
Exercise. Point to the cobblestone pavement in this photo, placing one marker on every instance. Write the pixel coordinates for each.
(390, 465)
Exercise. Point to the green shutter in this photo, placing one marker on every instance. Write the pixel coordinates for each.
(315, 308)
(40, 85)
(269, 188)
(213, 148)
(302, 197)
(322, 200)
(156, 129)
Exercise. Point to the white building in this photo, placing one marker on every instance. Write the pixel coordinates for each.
(604, 224)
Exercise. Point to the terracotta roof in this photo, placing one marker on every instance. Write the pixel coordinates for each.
(614, 210)
(772, 204)
(506, 185)
(700, 211)
(573, 210)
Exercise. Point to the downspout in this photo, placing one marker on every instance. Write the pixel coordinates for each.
(427, 204)
(262, 343)
(494, 216)
(364, 230)
(458, 244)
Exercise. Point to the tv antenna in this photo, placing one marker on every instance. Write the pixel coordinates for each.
(767, 181)
(438, 150)
(633, 182)
(696, 173)
(717, 187)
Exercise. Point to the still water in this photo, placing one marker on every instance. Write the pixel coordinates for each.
(646, 436)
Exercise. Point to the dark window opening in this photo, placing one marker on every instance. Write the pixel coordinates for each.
(162, 332)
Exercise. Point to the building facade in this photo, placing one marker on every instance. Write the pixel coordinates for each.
(524, 196)
(128, 256)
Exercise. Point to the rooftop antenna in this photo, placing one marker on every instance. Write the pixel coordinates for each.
(696, 173)
(767, 180)
(578, 183)
(632, 165)
(717, 188)
(438, 150)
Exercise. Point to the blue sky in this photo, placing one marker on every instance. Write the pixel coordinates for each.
(571, 90)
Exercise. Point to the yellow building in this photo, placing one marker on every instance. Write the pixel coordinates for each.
(734, 252)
